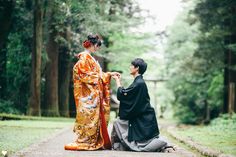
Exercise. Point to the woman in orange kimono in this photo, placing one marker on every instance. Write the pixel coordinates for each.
(92, 99)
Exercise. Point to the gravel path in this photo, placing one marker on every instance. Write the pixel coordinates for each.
(54, 147)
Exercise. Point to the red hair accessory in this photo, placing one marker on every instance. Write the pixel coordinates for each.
(86, 44)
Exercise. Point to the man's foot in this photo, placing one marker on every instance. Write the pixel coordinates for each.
(168, 149)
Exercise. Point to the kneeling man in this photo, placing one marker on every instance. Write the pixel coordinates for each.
(136, 129)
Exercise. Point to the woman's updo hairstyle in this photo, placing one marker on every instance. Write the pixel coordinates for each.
(92, 40)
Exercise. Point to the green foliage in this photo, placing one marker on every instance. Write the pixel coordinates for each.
(125, 47)
(232, 47)
(111, 19)
(18, 57)
(195, 59)
(18, 78)
(219, 135)
(189, 105)
(8, 107)
(215, 91)
(184, 70)
(225, 121)
(106, 19)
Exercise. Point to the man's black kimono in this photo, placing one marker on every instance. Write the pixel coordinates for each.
(135, 107)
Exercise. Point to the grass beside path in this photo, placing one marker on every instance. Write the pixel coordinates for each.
(219, 135)
(18, 134)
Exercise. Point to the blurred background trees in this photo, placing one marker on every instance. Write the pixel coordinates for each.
(201, 60)
(195, 55)
(39, 40)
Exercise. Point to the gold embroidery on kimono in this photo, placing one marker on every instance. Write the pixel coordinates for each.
(91, 94)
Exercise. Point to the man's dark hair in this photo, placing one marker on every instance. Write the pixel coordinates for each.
(139, 62)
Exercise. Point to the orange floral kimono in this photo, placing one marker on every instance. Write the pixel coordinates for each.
(92, 99)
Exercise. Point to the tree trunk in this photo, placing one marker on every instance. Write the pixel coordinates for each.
(35, 87)
(3, 80)
(226, 79)
(72, 107)
(64, 76)
(207, 112)
(230, 62)
(232, 79)
(231, 98)
(51, 75)
(6, 9)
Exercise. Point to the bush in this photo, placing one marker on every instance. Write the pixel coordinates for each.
(8, 107)
(193, 100)
(226, 120)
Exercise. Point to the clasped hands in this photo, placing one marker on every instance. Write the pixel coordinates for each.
(117, 77)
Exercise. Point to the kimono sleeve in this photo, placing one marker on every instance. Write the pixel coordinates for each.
(84, 72)
(106, 77)
(124, 94)
(131, 103)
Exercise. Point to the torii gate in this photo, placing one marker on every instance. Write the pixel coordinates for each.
(155, 81)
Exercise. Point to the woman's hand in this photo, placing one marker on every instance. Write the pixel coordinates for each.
(115, 74)
(117, 77)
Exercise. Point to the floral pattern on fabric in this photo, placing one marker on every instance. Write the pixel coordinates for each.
(91, 93)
